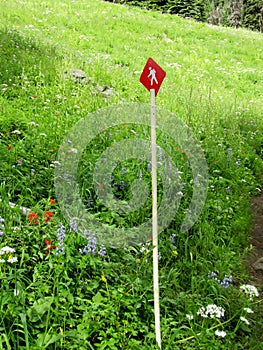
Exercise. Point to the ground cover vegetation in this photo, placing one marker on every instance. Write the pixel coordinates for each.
(231, 13)
(60, 290)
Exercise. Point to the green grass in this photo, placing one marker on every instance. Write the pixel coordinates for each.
(214, 85)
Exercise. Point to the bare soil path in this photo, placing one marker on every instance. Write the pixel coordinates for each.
(255, 258)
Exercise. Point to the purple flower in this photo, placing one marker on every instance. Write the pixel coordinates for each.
(2, 226)
(61, 238)
(73, 226)
(102, 251)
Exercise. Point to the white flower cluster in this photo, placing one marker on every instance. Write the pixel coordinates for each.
(250, 290)
(221, 334)
(212, 311)
(7, 252)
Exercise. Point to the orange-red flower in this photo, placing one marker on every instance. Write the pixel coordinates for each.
(9, 147)
(33, 218)
(48, 216)
(52, 201)
(49, 246)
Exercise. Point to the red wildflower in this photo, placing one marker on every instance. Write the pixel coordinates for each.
(48, 216)
(49, 246)
(33, 218)
(9, 147)
(52, 201)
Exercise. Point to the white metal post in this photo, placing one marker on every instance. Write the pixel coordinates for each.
(155, 222)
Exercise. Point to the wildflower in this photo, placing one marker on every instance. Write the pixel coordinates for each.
(248, 310)
(33, 124)
(250, 290)
(32, 171)
(221, 334)
(9, 147)
(140, 175)
(189, 317)
(143, 249)
(212, 311)
(225, 283)
(12, 259)
(43, 134)
(123, 171)
(102, 251)
(212, 274)
(33, 218)
(244, 320)
(2, 226)
(122, 185)
(175, 252)
(61, 238)
(49, 246)
(228, 190)
(172, 238)
(19, 162)
(7, 250)
(48, 216)
(103, 278)
(73, 226)
(16, 132)
(52, 201)
(91, 246)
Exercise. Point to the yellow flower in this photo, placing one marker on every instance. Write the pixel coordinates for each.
(175, 252)
(103, 278)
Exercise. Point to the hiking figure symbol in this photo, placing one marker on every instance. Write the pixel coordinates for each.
(152, 75)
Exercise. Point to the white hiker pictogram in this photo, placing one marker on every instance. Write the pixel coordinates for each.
(152, 75)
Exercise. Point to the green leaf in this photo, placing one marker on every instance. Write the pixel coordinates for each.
(39, 308)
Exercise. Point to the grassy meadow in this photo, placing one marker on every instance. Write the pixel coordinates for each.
(61, 290)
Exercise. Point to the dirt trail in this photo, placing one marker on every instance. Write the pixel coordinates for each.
(255, 259)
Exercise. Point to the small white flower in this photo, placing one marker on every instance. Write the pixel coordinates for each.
(248, 310)
(74, 150)
(250, 290)
(33, 124)
(16, 292)
(6, 250)
(2, 260)
(43, 134)
(12, 260)
(220, 333)
(189, 317)
(144, 250)
(244, 320)
(16, 132)
(212, 311)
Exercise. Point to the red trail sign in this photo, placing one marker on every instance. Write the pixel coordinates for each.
(152, 75)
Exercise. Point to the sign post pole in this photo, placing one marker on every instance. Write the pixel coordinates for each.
(155, 222)
(152, 77)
